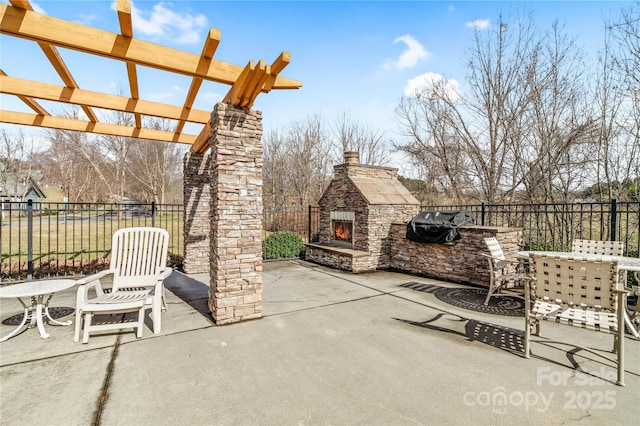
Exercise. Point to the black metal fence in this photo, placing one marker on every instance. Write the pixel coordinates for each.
(75, 238)
(553, 226)
(67, 239)
(303, 220)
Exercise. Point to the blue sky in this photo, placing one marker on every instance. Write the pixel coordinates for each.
(355, 56)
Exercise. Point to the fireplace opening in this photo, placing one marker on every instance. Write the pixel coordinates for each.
(342, 228)
(342, 231)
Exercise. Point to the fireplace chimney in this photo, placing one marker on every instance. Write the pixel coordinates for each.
(352, 157)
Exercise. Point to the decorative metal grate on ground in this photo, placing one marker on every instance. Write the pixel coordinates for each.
(472, 299)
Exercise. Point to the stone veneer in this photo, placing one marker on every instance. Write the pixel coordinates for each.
(197, 211)
(374, 213)
(459, 262)
(236, 214)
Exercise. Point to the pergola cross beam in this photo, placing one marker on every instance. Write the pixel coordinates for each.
(20, 20)
(126, 29)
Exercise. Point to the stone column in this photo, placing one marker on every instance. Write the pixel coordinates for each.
(236, 214)
(197, 225)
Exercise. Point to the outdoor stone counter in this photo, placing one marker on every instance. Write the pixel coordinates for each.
(459, 262)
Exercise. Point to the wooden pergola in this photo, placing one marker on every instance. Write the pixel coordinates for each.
(246, 83)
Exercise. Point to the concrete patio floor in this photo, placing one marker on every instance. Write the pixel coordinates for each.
(332, 348)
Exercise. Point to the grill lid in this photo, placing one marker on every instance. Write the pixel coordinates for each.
(437, 226)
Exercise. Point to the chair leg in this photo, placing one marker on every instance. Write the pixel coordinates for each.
(87, 325)
(620, 341)
(156, 312)
(78, 326)
(140, 326)
(490, 292)
(527, 334)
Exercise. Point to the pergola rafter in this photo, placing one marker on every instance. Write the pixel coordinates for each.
(20, 20)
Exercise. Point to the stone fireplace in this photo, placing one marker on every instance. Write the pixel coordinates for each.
(356, 213)
(363, 224)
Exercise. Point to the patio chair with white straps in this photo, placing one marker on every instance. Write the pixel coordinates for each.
(576, 292)
(137, 269)
(504, 274)
(614, 248)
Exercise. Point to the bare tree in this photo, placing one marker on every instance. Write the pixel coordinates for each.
(609, 97)
(550, 157)
(16, 165)
(443, 164)
(275, 169)
(626, 32)
(298, 162)
(116, 150)
(481, 123)
(152, 165)
(71, 161)
(309, 158)
(519, 128)
(351, 135)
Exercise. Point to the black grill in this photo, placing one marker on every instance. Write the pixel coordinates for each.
(438, 226)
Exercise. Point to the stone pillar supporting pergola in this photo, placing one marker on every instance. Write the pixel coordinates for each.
(223, 214)
(236, 214)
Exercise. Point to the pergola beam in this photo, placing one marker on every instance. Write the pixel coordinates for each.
(56, 61)
(38, 27)
(29, 101)
(201, 144)
(20, 20)
(64, 123)
(51, 92)
(208, 50)
(126, 29)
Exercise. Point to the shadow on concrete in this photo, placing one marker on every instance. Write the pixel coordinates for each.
(497, 336)
(191, 291)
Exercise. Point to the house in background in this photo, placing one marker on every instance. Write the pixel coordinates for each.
(16, 194)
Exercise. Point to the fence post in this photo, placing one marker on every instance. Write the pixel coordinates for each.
(153, 213)
(613, 220)
(29, 240)
(483, 211)
(309, 223)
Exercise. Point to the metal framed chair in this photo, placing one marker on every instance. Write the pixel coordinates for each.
(504, 274)
(614, 248)
(137, 269)
(577, 292)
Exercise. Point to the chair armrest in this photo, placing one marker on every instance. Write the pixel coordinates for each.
(508, 260)
(87, 283)
(164, 274)
(93, 277)
(501, 264)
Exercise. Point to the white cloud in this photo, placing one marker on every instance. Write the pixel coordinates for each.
(161, 95)
(86, 19)
(410, 57)
(428, 82)
(210, 97)
(166, 23)
(37, 8)
(479, 24)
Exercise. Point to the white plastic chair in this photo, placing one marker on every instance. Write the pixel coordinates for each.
(138, 269)
(578, 292)
(613, 248)
(504, 274)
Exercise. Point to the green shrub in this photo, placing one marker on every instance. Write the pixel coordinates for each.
(282, 245)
